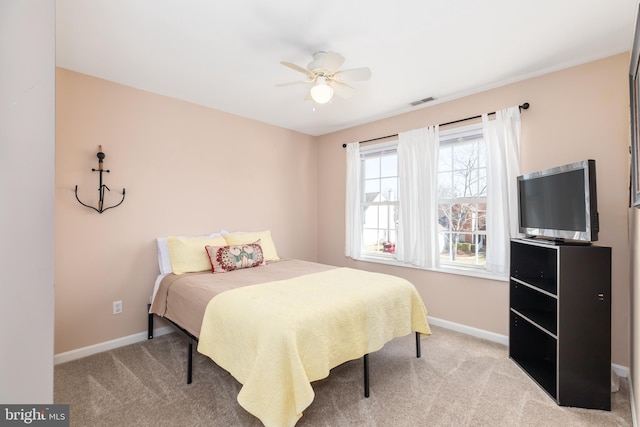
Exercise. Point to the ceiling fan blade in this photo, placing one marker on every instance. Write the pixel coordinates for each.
(332, 61)
(342, 90)
(298, 68)
(353, 75)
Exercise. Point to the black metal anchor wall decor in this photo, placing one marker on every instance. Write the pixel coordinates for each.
(102, 186)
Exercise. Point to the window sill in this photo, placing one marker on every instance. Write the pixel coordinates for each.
(461, 271)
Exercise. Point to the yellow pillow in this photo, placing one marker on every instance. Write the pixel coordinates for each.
(266, 242)
(188, 254)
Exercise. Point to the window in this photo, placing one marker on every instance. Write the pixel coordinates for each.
(379, 171)
(436, 200)
(462, 198)
(461, 192)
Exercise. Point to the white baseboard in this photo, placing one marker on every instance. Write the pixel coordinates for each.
(621, 371)
(475, 332)
(68, 356)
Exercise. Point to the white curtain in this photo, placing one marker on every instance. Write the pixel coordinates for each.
(353, 221)
(502, 139)
(417, 188)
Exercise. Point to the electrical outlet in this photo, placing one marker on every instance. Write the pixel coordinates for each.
(117, 307)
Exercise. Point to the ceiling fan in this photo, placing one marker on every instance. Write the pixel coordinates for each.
(323, 73)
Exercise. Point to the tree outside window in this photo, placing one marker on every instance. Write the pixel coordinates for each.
(462, 185)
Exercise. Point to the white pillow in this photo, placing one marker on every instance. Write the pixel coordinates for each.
(164, 260)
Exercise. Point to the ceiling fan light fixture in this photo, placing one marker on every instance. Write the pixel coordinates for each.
(321, 92)
(325, 77)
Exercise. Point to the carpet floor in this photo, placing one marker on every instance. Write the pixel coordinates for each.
(459, 381)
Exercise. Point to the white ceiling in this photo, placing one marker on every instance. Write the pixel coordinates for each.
(226, 55)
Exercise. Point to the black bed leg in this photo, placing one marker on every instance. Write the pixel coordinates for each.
(418, 354)
(150, 331)
(366, 375)
(190, 362)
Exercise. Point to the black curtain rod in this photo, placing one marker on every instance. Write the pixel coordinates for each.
(524, 106)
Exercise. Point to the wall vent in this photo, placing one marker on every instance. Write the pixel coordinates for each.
(422, 101)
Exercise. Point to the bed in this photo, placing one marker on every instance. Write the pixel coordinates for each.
(281, 324)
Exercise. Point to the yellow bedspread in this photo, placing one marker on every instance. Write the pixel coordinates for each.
(276, 338)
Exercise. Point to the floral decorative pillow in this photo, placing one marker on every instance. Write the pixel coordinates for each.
(266, 242)
(228, 258)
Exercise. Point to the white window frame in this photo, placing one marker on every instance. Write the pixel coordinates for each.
(446, 136)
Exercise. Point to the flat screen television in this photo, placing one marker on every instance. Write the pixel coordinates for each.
(560, 204)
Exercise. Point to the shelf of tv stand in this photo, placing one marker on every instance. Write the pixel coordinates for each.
(534, 304)
(534, 317)
(534, 350)
(554, 241)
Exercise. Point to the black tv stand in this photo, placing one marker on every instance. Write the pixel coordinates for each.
(560, 320)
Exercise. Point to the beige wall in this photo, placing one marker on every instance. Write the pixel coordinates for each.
(575, 114)
(192, 170)
(187, 170)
